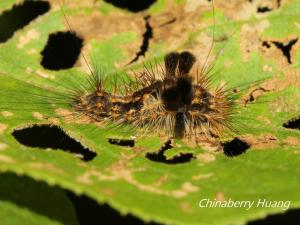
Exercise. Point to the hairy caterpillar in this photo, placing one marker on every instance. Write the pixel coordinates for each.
(177, 103)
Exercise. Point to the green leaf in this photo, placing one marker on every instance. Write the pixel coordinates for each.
(123, 177)
(25, 201)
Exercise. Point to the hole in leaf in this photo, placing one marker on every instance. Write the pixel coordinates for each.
(121, 142)
(266, 44)
(293, 123)
(255, 94)
(62, 50)
(19, 16)
(286, 48)
(49, 136)
(132, 5)
(160, 157)
(234, 147)
(89, 212)
(146, 38)
(263, 9)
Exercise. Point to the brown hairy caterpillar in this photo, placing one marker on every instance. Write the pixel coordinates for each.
(177, 103)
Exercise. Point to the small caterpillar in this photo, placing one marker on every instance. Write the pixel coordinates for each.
(175, 101)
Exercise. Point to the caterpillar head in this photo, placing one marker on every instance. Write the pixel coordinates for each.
(182, 106)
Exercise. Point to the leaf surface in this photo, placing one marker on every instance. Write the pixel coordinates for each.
(122, 176)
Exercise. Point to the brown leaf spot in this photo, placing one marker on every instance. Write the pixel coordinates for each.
(282, 104)
(250, 40)
(237, 10)
(202, 176)
(31, 51)
(264, 119)
(185, 20)
(189, 187)
(107, 191)
(267, 68)
(71, 4)
(163, 179)
(185, 189)
(86, 178)
(66, 114)
(220, 196)
(54, 121)
(2, 127)
(263, 141)
(6, 159)
(44, 74)
(38, 115)
(28, 70)
(121, 171)
(186, 207)
(3, 146)
(228, 63)
(193, 5)
(291, 79)
(7, 114)
(102, 27)
(205, 157)
(48, 167)
(29, 36)
(292, 141)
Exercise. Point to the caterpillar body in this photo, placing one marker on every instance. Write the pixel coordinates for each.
(177, 103)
